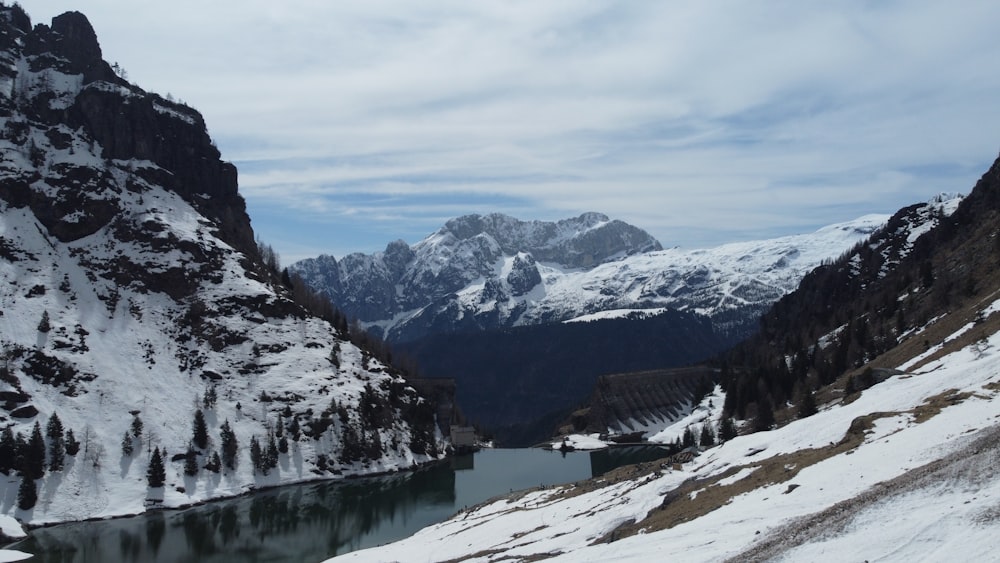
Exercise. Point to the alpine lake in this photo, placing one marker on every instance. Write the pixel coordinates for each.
(315, 521)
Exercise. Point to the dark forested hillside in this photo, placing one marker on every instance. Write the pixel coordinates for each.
(520, 374)
(853, 316)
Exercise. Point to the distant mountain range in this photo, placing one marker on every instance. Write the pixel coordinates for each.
(481, 273)
(859, 423)
(526, 316)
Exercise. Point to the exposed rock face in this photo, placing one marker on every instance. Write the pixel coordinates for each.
(423, 282)
(579, 242)
(68, 87)
(523, 275)
(494, 272)
(131, 285)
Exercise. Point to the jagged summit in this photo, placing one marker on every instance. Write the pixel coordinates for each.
(131, 286)
(55, 75)
(581, 241)
(497, 257)
(75, 40)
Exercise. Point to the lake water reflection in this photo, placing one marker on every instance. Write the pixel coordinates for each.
(315, 521)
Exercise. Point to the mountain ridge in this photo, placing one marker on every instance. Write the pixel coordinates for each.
(868, 401)
(441, 285)
(135, 301)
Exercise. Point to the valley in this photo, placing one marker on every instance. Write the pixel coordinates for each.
(169, 390)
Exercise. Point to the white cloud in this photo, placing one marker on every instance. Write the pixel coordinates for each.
(699, 121)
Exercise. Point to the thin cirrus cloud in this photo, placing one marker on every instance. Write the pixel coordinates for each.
(356, 123)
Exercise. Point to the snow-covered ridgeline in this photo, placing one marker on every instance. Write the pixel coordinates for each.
(488, 269)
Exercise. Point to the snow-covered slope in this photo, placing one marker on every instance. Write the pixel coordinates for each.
(903, 473)
(462, 278)
(131, 289)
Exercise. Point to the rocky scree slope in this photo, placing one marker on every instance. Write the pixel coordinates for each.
(131, 289)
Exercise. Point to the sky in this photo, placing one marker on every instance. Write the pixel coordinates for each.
(356, 123)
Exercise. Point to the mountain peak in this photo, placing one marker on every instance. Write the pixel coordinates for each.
(77, 39)
(578, 242)
(502, 252)
(131, 284)
(494, 271)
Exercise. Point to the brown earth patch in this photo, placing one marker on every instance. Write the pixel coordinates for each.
(678, 506)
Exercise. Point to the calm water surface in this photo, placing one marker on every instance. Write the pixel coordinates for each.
(301, 523)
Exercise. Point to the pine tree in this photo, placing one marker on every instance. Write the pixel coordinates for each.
(688, 439)
(352, 450)
(8, 450)
(808, 405)
(27, 493)
(191, 462)
(72, 445)
(44, 326)
(279, 432)
(707, 437)
(34, 461)
(127, 445)
(373, 444)
(229, 445)
(137, 426)
(765, 415)
(57, 453)
(54, 428)
(200, 436)
(271, 454)
(256, 456)
(727, 429)
(210, 398)
(57, 447)
(20, 452)
(294, 429)
(156, 475)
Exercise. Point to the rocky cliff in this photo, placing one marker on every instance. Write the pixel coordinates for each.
(476, 272)
(134, 302)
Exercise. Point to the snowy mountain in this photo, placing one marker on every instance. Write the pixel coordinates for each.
(635, 403)
(136, 308)
(882, 447)
(488, 266)
(492, 272)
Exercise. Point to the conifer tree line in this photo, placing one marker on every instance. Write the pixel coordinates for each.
(360, 437)
(319, 305)
(849, 311)
(706, 435)
(31, 456)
